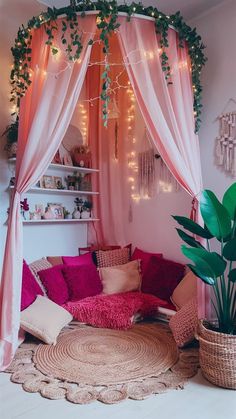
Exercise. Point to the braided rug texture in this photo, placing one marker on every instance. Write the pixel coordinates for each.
(89, 364)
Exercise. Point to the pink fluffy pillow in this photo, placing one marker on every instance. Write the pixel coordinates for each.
(144, 257)
(30, 288)
(85, 259)
(114, 311)
(82, 281)
(161, 277)
(55, 284)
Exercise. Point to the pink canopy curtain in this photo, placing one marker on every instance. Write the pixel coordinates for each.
(45, 114)
(107, 146)
(167, 110)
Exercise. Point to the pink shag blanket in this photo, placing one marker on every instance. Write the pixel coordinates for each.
(114, 311)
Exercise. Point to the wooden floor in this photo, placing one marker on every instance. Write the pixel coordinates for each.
(199, 400)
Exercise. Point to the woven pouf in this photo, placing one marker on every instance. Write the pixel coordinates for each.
(217, 356)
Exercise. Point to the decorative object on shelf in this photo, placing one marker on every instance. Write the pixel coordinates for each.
(81, 156)
(53, 211)
(86, 184)
(67, 160)
(218, 339)
(47, 182)
(24, 208)
(38, 213)
(57, 158)
(86, 209)
(70, 182)
(66, 213)
(12, 181)
(226, 142)
(79, 205)
(58, 182)
(72, 138)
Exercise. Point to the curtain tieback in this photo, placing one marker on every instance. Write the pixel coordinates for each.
(193, 214)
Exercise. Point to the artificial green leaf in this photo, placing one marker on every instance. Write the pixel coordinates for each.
(229, 201)
(232, 275)
(188, 239)
(215, 215)
(192, 227)
(229, 251)
(202, 275)
(201, 257)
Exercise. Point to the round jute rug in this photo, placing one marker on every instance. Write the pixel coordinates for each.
(90, 364)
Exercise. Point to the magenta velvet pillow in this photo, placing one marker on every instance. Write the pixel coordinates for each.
(144, 257)
(55, 284)
(30, 288)
(161, 277)
(85, 259)
(82, 281)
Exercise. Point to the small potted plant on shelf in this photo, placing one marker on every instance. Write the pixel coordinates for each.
(66, 213)
(86, 209)
(218, 270)
(11, 133)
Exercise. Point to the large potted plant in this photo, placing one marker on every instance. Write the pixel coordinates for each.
(218, 270)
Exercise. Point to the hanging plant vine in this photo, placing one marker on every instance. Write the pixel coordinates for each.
(71, 36)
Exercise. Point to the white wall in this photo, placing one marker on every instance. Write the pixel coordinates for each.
(39, 240)
(218, 31)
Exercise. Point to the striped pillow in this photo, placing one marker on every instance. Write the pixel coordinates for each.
(106, 258)
(39, 265)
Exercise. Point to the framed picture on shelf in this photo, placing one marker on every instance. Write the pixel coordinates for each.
(48, 182)
(58, 182)
(56, 210)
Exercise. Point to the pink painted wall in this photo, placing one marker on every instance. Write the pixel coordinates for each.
(218, 30)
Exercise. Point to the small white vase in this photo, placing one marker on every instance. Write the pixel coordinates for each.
(76, 214)
(85, 215)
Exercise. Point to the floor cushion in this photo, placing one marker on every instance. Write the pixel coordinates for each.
(184, 323)
(106, 258)
(144, 257)
(85, 259)
(44, 319)
(82, 281)
(30, 288)
(55, 284)
(185, 290)
(114, 311)
(121, 278)
(161, 277)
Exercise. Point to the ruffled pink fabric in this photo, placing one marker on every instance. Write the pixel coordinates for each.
(114, 311)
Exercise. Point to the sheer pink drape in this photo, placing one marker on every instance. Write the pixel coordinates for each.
(45, 114)
(167, 111)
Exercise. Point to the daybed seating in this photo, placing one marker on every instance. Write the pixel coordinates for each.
(113, 294)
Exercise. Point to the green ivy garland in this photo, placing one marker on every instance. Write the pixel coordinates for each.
(107, 23)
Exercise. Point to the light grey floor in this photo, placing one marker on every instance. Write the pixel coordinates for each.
(199, 400)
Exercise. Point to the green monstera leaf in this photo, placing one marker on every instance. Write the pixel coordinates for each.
(206, 261)
(232, 276)
(215, 215)
(229, 201)
(229, 251)
(188, 239)
(192, 227)
(204, 274)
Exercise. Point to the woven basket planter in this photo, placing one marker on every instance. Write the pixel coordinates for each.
(217, 357)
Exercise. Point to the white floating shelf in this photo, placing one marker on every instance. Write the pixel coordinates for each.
(59, 191)
(65, 168)
(64, 220)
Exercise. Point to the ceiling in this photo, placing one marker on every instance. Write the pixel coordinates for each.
(188, 8)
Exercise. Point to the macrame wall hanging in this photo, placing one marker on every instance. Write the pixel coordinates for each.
(226, 142)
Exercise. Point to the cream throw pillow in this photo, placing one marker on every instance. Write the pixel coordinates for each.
(185, 290)
(121, 278)
(44, 319)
